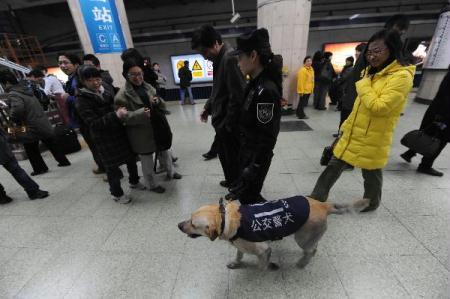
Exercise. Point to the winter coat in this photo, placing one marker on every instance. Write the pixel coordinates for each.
(439, 110)
(326, 74)
(349, 96)
(107, 130)
(5, 151)
(305, 80)
(227, 96)
(185, 76)
(368, 131)
(138, 126)
(25, 109)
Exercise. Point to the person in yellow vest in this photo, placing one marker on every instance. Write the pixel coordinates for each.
(367, 133)
(305, 86)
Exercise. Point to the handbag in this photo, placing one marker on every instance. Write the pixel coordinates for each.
(420, 142)
(15, 132)
(327, 153)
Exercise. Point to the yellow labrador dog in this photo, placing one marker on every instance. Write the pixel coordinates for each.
(249, 227)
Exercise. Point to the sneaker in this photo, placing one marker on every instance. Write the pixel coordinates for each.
(38, 195)
(4, 199)
(138, 186)
(430, 171)
(158, 189)
(124, 199)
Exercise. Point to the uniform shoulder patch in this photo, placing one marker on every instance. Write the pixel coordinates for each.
(264, 112)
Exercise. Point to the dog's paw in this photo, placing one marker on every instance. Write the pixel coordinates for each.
(234, 265)
(273, 267)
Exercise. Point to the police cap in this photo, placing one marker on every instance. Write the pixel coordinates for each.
(257, 40)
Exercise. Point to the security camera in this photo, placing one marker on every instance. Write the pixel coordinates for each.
(235, 17)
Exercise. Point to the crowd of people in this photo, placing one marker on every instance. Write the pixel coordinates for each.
(126, 124)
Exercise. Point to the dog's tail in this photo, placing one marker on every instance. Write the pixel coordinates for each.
(354, 207)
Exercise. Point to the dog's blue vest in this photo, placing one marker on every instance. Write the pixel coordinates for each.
(272, 220)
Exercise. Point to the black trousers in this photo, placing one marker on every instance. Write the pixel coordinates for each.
(114, 175)
(320, 94)
(91, 144)
(228, 151)
(34, 155)
(344, 115)
(251, 189)
(214, 150)
(302, 103)
(427, 161)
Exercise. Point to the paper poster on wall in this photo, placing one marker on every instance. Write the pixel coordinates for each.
(340, 52)
(439, 53)
(202, 70)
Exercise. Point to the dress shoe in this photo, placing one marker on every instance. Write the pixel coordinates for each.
(406, 157)
(64, 164)
(175, 176)
(38, 172)
(370, 209)
(4, 199)
(302, 117)
(209, 156)
(98, 171)
(38, 194)
(321, 108)
(224, 184)
(430, 171)
(158, 189)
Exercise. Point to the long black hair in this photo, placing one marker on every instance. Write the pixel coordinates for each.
(273, 65)
(392, 40)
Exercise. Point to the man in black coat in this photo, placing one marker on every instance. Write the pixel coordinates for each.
(436, 122)
(226, 100)
(185, 75)
(9, 162)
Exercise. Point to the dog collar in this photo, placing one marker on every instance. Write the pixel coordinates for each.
(222, 216)
(222, 221)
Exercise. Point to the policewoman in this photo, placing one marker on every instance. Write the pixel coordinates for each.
(259, 121)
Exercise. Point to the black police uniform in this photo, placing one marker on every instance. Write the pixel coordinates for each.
(259, 127)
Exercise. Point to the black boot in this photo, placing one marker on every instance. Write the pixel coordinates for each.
(4, 199)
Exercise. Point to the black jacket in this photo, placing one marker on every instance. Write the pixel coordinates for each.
(439, 109)
(350, 88)
(106, 129)
(185, 76)
(260, 117)
(228, 91)
(25, 109)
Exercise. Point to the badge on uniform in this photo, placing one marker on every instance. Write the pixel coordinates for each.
(264, 112)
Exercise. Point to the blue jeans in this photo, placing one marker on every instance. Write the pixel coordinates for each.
(182, 94)
(21, 176)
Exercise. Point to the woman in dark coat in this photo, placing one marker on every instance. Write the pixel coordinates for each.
(95, 107)
(438, 112)
(26, 110)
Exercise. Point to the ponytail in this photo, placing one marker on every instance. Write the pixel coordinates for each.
(273, 65)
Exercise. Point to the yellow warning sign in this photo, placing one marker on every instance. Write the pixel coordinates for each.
(180, 64)
(197, 74)
(196, 66)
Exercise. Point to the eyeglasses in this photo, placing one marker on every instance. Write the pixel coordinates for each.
(135, 75)
(375, 52)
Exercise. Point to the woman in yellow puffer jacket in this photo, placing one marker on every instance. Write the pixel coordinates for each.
(367, 133)
(305, 86)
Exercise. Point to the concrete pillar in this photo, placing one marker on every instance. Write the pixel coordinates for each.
(437, 60)
(108, 61)
(288, 24)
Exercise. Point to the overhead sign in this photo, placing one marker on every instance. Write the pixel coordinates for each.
(202, 70)
(103, 25)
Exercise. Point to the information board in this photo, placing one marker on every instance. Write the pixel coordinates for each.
(202, 69)
(103, 25)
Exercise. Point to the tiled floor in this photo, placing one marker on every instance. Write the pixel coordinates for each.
(78, 243)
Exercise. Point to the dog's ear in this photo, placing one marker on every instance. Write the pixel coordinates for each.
(212, 233)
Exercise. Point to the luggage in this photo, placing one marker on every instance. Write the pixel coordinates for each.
(66, 139)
